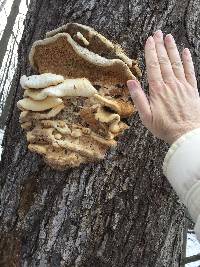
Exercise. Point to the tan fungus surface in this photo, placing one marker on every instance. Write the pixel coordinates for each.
(72, 111)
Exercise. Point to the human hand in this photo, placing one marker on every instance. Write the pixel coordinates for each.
(173, 106)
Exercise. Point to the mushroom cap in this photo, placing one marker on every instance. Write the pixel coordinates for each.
(72, 111)
(74, 61)
(68, 88)
(33, 105)
(94, 41)
(40, 81)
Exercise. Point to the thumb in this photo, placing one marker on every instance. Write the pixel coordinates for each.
(141, 102)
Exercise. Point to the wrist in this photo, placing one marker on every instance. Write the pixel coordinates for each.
(180, 132)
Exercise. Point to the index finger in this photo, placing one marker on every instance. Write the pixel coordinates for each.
(153, 67)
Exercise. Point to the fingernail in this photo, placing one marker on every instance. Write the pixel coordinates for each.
(150, 40)
(132, 86)
(169, 38)
(158, 34)
(186, 51)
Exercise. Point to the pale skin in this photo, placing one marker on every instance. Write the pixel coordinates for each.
(173, 105)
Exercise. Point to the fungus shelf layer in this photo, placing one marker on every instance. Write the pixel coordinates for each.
(72, 110)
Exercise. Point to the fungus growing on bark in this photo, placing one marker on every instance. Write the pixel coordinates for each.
(41, 105)
(72, 110)
(40, 81)
(95, 41)
(68, 88)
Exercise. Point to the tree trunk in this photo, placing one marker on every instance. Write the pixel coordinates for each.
(8, 29)
(121, 211)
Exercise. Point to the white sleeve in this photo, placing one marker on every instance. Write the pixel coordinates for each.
(182, 168)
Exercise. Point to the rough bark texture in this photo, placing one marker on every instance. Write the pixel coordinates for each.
(7, 32)
(6, 66)
(121, 211)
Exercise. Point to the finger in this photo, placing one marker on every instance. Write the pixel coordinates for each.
(189, 67)
(152, 64)
(141, 102)
(174, 57)
(165, 64)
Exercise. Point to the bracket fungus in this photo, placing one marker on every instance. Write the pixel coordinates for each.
(73, 110)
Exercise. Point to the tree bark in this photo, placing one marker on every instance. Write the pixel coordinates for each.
(8, 29)
(121, 211)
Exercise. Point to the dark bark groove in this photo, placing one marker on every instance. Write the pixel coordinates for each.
(120, 212)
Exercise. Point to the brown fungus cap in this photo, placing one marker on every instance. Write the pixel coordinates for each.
(72, 111)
